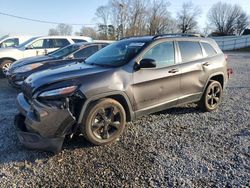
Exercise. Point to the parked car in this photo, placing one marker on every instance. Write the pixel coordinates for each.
(127, 79)
(11, 41)
(23, 68)
(34, 47)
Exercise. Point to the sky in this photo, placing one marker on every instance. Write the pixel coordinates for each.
(77, 11)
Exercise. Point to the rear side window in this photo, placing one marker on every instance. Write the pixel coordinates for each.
(162, 53)
(78, 40)
(190, 51)
(58, 43)
(86, 52)
(210, 51)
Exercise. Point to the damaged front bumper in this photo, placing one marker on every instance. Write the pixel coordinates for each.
(40, 126)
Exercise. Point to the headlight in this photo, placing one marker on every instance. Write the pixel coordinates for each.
(58, 92)
(27, 67)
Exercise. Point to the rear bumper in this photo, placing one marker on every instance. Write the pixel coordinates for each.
(42, 127)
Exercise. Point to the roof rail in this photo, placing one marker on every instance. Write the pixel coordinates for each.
(134, 36)
(178, 35)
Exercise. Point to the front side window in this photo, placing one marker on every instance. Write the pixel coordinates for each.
(162, 53)
(63, 52)
(116, 54)
(38, 44)
(86, 52)
(210, 51)
(10, 42)
(190, 51)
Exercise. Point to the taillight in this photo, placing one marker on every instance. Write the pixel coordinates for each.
(226, 57)
(229, 72)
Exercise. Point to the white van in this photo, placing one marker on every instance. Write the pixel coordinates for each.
(34, 47)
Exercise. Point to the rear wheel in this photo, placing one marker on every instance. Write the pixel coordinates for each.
(5, 65)
(104, 121)
(211, 97)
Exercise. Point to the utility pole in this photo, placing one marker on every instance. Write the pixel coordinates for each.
(121, 17)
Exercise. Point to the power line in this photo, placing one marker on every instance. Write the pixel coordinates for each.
(41, 21)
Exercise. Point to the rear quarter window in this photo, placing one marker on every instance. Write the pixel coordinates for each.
(190, 51)
(210, 51)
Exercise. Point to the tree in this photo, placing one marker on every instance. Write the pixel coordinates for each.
(227, 19)
(53, 32)
(87, 31)
(61, 29)
(187, 18)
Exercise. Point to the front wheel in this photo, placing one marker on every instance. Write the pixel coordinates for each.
(211, 97)
(5, 65)
(104, 121)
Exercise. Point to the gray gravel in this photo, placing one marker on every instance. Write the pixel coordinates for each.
(180, 147)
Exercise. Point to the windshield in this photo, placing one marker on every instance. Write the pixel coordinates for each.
(26, 42)
(4, 37)
(65, 51)
(116, 54)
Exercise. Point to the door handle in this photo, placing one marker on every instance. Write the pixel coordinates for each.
(206, 64)
(173, 71)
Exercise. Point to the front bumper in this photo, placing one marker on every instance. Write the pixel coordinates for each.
(42, 127)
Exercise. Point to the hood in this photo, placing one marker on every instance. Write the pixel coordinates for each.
(30, 60)
(72, 72)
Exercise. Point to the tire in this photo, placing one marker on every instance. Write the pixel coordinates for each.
(103, 122)
(212, 97)
(5, 64)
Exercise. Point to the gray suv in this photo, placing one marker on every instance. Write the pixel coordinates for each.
(125, 80)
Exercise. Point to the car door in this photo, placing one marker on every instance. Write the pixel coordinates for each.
(35, 49)
(192, 67)
(157, 88)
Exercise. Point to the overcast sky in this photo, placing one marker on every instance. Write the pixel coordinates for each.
(77, 11)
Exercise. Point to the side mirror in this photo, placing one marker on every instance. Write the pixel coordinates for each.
(147, 63)
(28, 47)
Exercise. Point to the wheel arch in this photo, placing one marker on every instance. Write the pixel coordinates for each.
(121, 97)
(217, 77)
(6, 58)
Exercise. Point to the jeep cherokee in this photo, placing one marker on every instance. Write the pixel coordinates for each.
(123, 81)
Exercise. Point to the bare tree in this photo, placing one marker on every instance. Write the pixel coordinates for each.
(187, 17)
(61, 29)
(53, 32)
(158, 17)
(87, 31)
(227, 19)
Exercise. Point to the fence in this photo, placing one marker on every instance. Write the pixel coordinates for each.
(233, 42)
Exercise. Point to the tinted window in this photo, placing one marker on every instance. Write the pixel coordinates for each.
(190, 51)
(79, 40)
(162, 53)
(10, 42)
(58, 43)
(86, 52)
(63, 52)
(209, 49)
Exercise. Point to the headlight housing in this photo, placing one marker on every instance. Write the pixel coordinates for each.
(27, 68)
(58, 92)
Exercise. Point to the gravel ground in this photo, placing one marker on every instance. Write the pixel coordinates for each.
(180, 147)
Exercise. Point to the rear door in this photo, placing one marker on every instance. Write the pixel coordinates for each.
(193, 69)
(155, 87)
